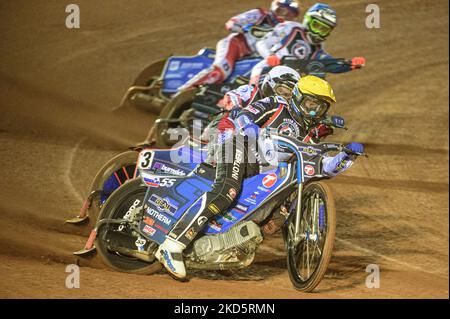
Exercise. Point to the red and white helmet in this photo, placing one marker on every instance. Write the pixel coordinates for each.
(285, 8)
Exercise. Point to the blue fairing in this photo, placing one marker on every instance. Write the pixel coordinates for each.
(168, 204)
(179, 69)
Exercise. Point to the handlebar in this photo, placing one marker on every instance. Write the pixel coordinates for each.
(321, 66)
(314, 65)
(350, 152)
(311, 149)
(328, 122)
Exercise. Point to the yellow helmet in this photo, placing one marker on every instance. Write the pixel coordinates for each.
(311, 98)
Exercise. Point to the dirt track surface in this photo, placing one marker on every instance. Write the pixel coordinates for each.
(57, 90)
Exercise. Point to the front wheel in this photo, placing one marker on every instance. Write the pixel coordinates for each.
(309, 254)
(117, 244)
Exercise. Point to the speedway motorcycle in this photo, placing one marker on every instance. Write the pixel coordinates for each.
(157, 84)
(135, 219)
(122, 168)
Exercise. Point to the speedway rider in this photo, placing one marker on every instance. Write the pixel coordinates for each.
(311, 98)
(241, 42)
(304, 41)
(280, 81)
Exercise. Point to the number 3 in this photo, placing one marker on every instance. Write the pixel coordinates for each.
(145, 159)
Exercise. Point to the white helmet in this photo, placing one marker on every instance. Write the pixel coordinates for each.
(281, 80)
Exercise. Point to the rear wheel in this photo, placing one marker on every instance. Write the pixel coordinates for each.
(309, 255)
(145, 92)
(117, 244)
(112, 175)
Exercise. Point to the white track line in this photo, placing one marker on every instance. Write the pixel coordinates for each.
(68, 168)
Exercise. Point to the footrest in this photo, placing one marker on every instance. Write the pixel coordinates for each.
(84, 251)
(77, 220)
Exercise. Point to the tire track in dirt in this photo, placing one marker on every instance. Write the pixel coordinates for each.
(67, 170)
(405, 185)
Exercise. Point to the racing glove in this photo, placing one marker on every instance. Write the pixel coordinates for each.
(337, 121)
(246, 127)
(321, 131)
(358, 62)
(273, 60)
(229, 102)
(246, 27)
(355, 147)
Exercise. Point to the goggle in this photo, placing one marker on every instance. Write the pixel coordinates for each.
(284, 90)
(313, 107)
(320, 28)
(308, 104)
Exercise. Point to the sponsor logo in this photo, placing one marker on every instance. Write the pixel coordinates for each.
(191, 233)
(236, 163)
(152, 181)
(301, 49)
(149, 230)
(251, 199)
(166, 169)
(174, 65)
(215, 225)
(340, 165)
(163, 204)
(228, 216)
(129, 212)
(265, 190)
(309, 170)
(201, 220)
(167, 261)
(251, 109)
(132, 207)
(214, 208)
(159, 216)
(149, 221)
(289, 128)
(140, 242)
(232, 193)
(310, 151)
(165, 231)
(269, 180)
(241, 208)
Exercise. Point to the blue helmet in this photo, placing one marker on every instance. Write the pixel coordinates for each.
(320, 20)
